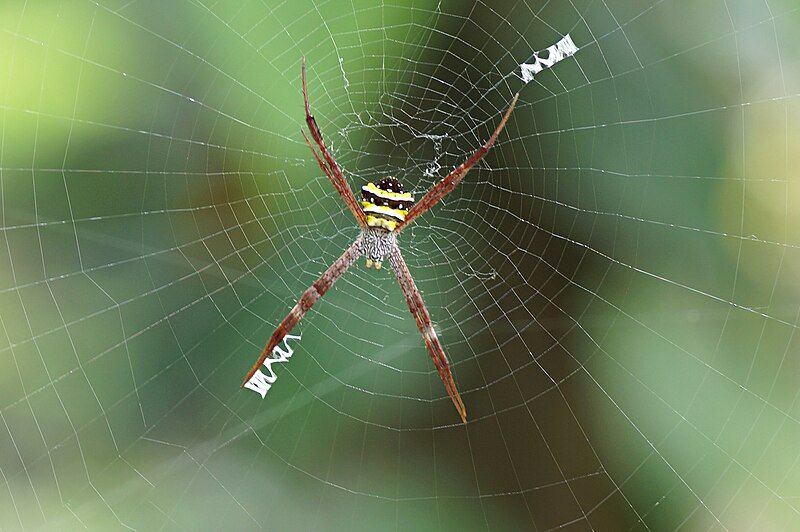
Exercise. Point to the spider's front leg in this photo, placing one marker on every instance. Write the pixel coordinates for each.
(309, 297)
(423, 319)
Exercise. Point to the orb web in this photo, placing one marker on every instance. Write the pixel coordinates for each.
(615, 283)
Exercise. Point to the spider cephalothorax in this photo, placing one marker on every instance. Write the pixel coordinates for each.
(384, 211)
(377, 244)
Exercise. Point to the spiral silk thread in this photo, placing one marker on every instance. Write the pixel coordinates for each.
(559, 51)
(261, 382)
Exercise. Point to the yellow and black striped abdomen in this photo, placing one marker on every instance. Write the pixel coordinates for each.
(385, 204)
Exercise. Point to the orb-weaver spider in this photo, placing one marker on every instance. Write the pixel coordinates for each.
(384, 211)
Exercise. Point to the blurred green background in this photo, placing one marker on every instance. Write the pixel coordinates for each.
(616, 285)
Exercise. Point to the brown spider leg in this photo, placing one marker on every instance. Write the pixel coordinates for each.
(423, 319)
(337, 178)
(324, 168)
(446, 185)
(309, 297)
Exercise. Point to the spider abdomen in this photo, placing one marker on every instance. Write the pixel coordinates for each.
(385, 204)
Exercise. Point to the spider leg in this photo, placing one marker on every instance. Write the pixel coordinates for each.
(423, 319)
(309, 297)
(446, 185)
(324, 168)
(333, 171)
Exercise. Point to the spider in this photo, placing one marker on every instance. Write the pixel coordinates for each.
(385, 210)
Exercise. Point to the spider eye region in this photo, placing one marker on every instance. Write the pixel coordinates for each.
(385, 203)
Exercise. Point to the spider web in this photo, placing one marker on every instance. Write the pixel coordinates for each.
(616, 284)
